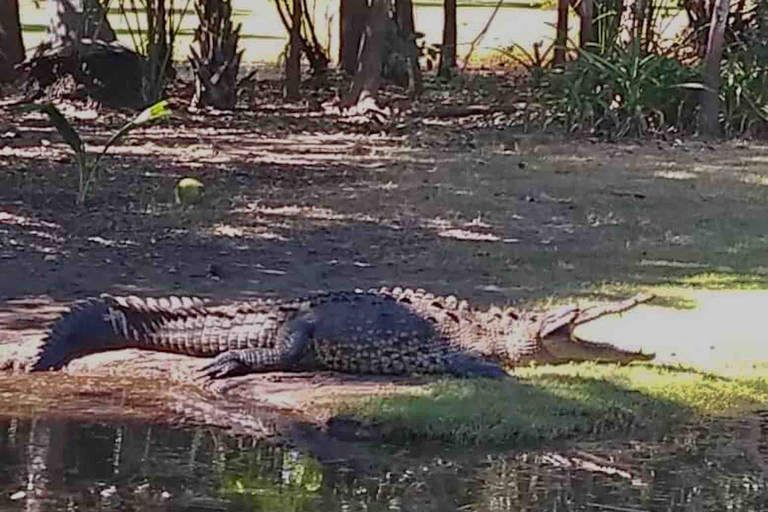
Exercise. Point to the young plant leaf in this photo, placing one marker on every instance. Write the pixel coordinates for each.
(159, 110)
(65, 129)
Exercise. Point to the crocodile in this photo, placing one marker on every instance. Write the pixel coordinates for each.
(385, 331)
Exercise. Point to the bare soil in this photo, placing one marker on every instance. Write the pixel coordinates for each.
(298, 201)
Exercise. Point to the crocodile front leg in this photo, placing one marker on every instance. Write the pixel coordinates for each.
(291, 344)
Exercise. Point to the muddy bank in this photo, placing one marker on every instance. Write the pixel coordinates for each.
(164, 388)
(161, 387)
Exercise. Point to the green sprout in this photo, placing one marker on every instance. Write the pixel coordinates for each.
(88, 165)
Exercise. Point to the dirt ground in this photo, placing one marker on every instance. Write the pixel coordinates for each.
(297, 202)
(507, 219)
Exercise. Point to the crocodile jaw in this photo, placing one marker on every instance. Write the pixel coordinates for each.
(564, 346)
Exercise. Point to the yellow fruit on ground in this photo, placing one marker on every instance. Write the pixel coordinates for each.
(189, 191)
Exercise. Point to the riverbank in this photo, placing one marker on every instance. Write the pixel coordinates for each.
(298, 205)
(540, 405)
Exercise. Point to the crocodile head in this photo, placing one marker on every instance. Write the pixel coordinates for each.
(549, 338)
(562, 345)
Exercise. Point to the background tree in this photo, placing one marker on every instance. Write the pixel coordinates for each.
(709, 97)
(308, 43)
(403, 44)
(217, 61)
(586, 11)
(70, 21)
(368, 76)
(293, 62)
(561, 32)
(448, 48)
(11, 43)
(353, 15)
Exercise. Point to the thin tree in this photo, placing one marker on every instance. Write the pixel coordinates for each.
(448, 48)
(561, 32)
(11, 44)
(406, 38)
(293, 62)
(587, 9)
(310, 45)
(709, 96)
(479, 37)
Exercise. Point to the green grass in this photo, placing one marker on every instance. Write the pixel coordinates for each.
(579, 400)
(725, 281)
(550, 403)
(675, 291)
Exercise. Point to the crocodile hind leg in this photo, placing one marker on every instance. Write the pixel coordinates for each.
(289, 348)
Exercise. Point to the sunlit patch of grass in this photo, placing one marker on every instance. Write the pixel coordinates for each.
(676, 292)
(664, 295)
(725, 281)
(551, 403)
(697, 391)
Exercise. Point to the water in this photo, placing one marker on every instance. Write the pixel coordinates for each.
(68, 465)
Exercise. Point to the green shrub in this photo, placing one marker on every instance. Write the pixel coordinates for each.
(624, 92)
(743, 93)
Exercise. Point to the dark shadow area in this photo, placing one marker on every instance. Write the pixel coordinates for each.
(525, 414)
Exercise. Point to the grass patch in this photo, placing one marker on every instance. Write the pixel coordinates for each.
(552, 403)
(699, 392)
(675, 293)
(725, 281)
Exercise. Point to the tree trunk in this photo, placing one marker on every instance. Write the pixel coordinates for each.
(407, 35)
(404, 17)
(710, 110)
(73, 20)
(310, 45)
(353, 15)
(368, 76)
(561, 32)
(640, 9)
(293, 62)
(650, 29)
(585, 30)
(448, 48)
(11, 44)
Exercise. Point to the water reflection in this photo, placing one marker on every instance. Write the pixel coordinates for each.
(67, 465)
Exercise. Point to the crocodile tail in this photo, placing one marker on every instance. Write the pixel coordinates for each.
(109, 323)
(84, 329)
